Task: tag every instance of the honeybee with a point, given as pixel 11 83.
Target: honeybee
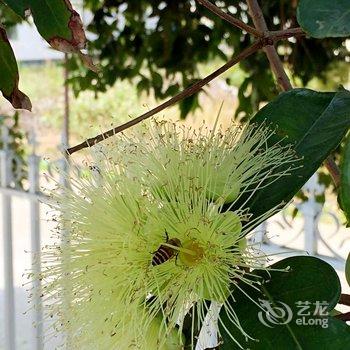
pixel 164 252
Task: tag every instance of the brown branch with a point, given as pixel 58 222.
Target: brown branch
pixel 225 16
pixel 258 44
pixel 185 93
pixel 334 171
pixel 343 317
pixel 270 51
pixel 279 72
pixel 281 34
pixel 344 299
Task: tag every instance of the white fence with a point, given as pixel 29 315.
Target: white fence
pixel 316 231
pixel 19 179
pixel 304 234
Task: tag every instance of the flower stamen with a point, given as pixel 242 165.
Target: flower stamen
pixel 195 257
pixel 180 249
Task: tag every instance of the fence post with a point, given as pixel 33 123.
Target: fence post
pixel 310 210
pixel 65 241
pixel 9 307
pixel 33 176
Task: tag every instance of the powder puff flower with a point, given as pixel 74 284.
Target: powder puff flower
pixel 156 226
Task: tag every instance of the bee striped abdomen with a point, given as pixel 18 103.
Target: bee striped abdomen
pixel 161 256
pixel 165 253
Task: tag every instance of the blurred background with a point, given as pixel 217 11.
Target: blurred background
pixel 147 52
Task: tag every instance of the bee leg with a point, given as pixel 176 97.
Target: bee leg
pixel 177 255
pixel 166 236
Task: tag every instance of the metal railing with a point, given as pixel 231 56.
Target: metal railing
pixel 10 172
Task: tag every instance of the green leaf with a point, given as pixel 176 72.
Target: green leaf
pixel 344 188
pixel 172 90
pixel 19 6
pixel 58 24
pixel 187 105
pixel 9 75
pixel 347 269
pixel 56 21
pixel 335 312
pixel 157 80
pixel 143 85
pixel 314 123
pixel 324 18
pixel 308 280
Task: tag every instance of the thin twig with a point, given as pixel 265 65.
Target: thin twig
pixel 271 53
pixel 343 317
pixel 277 35
pixel 279 72
pixel 225 16
pixel 333 170
pixel 296 31
pixel 344 299
pixel 258 44
pixel 185 93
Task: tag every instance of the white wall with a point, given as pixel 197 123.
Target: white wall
pixel 29 46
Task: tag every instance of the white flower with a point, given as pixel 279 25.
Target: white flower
pixel 150 233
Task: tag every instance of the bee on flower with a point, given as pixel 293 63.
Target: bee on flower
pixel 158 230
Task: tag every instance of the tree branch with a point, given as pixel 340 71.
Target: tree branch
pixel 185 93
pixel 270 51
pixel 271 38
pixel 344 317
pixel 225 16
pixel 344 299
pixel 281 33
pixel 258 44
pixel 280 74
pixel 334 171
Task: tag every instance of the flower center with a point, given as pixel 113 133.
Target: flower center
pixel 197 253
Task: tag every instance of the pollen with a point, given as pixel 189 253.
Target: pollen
pixel 196 255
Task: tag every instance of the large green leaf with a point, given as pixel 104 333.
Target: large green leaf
pixel 19 6
pixel 309 280
pixel 324 18
pixel 58 24
pixel 347 269
pixel 55 20
pixel 9 75
pixel 344 188
pixel 314 123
